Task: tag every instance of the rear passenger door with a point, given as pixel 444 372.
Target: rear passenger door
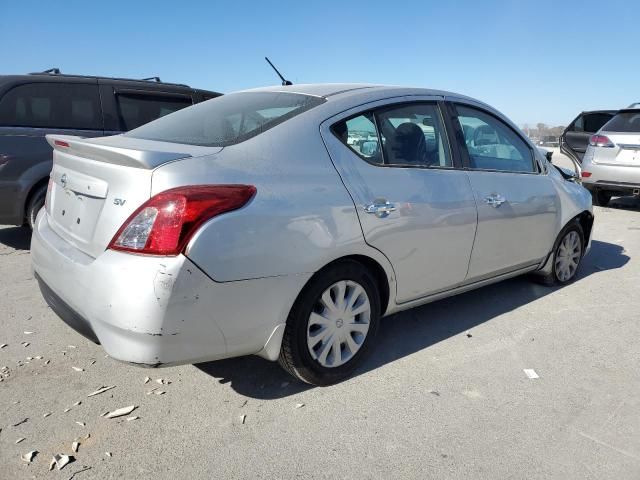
pixel 575 139
pixel 413 203
pixel 129 107
pixel 516 200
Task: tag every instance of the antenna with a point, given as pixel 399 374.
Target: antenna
pixel 284 82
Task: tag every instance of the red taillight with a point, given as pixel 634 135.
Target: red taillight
pixel 60 143
pixel 164 224
pixel 586 174
pixel 600 141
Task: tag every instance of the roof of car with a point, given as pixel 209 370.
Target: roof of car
pixel 63 77
pixel 331 89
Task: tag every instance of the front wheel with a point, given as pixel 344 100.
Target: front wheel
pixel 332 325
pixel 567 255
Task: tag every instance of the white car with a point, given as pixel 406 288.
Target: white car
pixel 611 164
pixel 256 223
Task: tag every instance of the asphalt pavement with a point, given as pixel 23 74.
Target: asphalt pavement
pixel 444 396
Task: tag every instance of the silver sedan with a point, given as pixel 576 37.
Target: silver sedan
pixel 286 221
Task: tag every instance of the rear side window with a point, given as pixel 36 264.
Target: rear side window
pixel 136 110
pixel 594 121
pixel 52 105
pixel 624 121
pixel 409 135
pixel 227 120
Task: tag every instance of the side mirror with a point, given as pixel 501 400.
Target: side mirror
pixel 549 154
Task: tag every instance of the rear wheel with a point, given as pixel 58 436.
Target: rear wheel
pixel 601 198
pixel 36 202
pixel 332 325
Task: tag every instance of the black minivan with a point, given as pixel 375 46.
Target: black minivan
pixel 34 105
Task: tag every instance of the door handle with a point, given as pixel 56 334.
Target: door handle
pixel 380 208
pixel 495 200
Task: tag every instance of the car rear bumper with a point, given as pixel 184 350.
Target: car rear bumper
pixel 156 311
pixel 612 177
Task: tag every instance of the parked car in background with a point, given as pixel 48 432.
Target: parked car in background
pixel 611 164
pixel 256 224
pixel 575 138
pixel 32 106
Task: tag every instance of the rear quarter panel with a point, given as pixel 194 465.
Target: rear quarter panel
pixel 300 219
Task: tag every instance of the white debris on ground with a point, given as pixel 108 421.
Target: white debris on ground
pixel 74 447
pixel 78 369
pixel 60 461
pixel 121 411
pixel 531 373
pixel 27 457
pixel 101 390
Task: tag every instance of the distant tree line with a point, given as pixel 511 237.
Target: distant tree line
pixel 542 130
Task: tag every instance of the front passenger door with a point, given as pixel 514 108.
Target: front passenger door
pixel 516 200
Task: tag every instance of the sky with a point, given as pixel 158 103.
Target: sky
pixel 536 61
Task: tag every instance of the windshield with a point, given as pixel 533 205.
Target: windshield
pixel 624 121
pixel 226 120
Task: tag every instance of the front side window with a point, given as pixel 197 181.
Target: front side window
pixel 136 110
pixel 492 145
pixel 228 119
pixel 52 105
pixel 410 135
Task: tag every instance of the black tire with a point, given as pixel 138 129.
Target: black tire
pixel 36 202
pixel 552 278
pixel 600 198
pixel 295 356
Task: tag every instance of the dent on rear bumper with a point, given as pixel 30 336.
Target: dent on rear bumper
pixel 161 310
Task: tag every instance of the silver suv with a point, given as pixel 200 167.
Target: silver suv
pixel 611 164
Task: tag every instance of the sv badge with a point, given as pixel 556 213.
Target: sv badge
pixel 119 201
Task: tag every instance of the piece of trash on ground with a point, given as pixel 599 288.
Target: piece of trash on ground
pixel 46 414
pixel 146 380
pixel 77 403
pixel 530 373
pixel 21 421
pixel 25 344
pixel 108 454
pixel 132 418
pixel 243 418
pixel 78 369
pixel 46 362
pixel 3 345
pixel 27 333
pixel 121 411
pixel 60 461
pixel 299 405
pixel 19 440
pixel 101 390
pixel 71 346
pixel 27 457
pixel 159 392
pixel 74 447
pixel 82 424
pixel 66 410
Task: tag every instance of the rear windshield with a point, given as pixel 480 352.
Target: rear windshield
pixel 624 121
pixel 226 120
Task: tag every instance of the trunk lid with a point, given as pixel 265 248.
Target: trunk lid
pixel 96 184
